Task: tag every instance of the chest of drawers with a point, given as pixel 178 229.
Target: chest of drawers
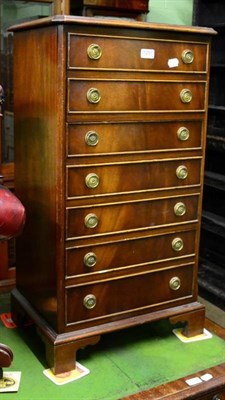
pixel 110 121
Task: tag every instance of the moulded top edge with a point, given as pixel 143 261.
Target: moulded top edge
pixel 111 22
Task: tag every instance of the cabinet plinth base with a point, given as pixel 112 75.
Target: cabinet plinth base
pixel 62 357
pixel 61 348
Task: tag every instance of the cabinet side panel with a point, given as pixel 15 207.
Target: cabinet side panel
pixel 38 177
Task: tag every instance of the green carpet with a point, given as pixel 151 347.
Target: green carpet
pixel 122 363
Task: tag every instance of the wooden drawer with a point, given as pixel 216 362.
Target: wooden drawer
pixel 217 395
pixel 131 177
pixel 114 218
pixel 127 95
pixel 88 259
pixel 134 54
pixel 116 297
pixel 111 138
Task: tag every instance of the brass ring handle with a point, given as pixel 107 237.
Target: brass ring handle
pixel 91 221
pixel 185 96
pixel 187 56
pixel 177 244
pixel 90 260
pixel 92 180
pixel 180 209
pixel 93 95
pixel 94 51
pixel 182 172
pixel 91 138
pixel 183 133
pixel 89 301
pixel 175 283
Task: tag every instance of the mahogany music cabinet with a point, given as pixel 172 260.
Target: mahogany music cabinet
pixel 110 122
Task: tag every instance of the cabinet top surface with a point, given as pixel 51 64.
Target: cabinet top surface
pixel 110 22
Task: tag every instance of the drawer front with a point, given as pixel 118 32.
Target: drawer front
pixel 112 96
pixel 114 218
pixel 116 297
pixel 215 395
pixel 131 177
pixel 93 52
pixel 107 138
pixel 129 253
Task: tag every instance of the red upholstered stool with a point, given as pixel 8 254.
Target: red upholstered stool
pixel 12 219
pixel 12 214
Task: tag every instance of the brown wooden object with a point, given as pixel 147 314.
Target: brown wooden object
pixel 117 8
pixel 7 249
pixel 61 6
pixel 214 389
pixel 110 139
pixel 129 9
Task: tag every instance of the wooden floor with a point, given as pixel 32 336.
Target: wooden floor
pixel 179 390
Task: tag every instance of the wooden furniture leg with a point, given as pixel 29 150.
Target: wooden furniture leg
pixel 60 349
pixel 194 322
pixel 62 357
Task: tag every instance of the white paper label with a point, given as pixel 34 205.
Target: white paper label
pixel 193 381
pixel 173 62
pixel 206 377
pixel 148 53
pixel 196 380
